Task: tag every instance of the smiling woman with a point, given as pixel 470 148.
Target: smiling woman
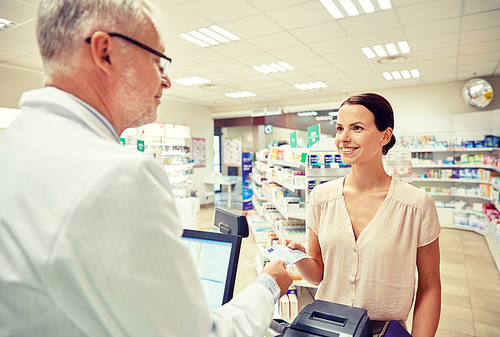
pixel 367 228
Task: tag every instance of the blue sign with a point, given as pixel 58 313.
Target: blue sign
pixel 246 172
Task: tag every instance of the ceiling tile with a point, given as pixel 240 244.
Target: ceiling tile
pixel 429 11
pixel 203 55
pixel 222 10
pixel 433 28
pixel 266 5
pixel 382 37
pixel 435 63
pixel 433 42
pixel 256 25
pixel 477 6
pixel 274 41
pixel 482 47
pixel 435 53
pixel 256 59
pixel 179 19
pixel 24 33
pixel 334 46
pixel 371 22
pixel 5 55
pixel 403 3
pixel 25 61
pixel 319 32
pixel 300 15
pixel 17 11
pixel 481 20
pixel 309 62
pixel 353 54
pixel 480 35
pixel 292 53
pixel 479 58
pixel 16 46
pixel 354 64
pixel 237 48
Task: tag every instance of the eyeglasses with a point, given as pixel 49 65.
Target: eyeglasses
pixel 164 60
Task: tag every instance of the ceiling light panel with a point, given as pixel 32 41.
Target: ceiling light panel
pixel 340 9
pixel 5 24
pixel 240 94
pixel 310 85
pixel 213 36
pixel 307 113
pixel 193 80
pixel 274 67
pixel 397 75
pixel 390 48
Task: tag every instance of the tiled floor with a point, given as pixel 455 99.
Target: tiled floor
pixel 470 281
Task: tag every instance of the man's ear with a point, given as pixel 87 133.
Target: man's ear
pixel 103 52
pixel 387 136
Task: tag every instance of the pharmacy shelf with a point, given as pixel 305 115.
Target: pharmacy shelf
pixel 295 164
pixel 286 185
pixel 286 215
pixel 477 166
pixel 460 196
pixel 455 149
pixel 453 180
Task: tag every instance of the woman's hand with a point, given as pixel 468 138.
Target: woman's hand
pixel 294 245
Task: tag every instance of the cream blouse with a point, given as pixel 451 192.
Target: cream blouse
pixel 376 272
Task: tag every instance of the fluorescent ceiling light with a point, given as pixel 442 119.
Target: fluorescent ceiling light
pixel 286 65
pixel 387 75
pixel 349 7
pixel 391 48
pixel 203 37
pixel 333 113
pixel 332 9
pixel 240 94
pixel 262 70
pixel 310 85
pixel 194 40
pixel 214 35
pixel 269 68
pixel 404 47
pixel 380 50
pixel 385 4
pixel 415 73
pixel 273 67
pixel 368 52
pixel 367 6
pixel 193 80
pixel 324 118
pixel 396 75
pixel 5 21
pixel 225 33
pixel 210 37
pixel 277 66
pixel 405 73
pixel 307 114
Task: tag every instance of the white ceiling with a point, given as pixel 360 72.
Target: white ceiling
pixel 450 40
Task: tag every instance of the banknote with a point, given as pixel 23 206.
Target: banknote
pixel 282 252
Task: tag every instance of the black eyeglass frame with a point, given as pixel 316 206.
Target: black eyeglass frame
pixel 143 46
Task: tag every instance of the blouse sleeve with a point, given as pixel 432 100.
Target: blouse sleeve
pixel 429 227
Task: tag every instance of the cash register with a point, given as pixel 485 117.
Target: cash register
pixel 326 319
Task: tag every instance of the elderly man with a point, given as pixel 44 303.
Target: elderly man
pixel 89 235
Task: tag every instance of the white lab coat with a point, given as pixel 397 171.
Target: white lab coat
pixel 90 237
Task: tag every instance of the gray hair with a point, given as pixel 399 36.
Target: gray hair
pixel 63 25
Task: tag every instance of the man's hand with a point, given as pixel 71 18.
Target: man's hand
pixel 282 276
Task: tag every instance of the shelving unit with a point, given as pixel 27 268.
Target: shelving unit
pixel 313 176
pixel 448 217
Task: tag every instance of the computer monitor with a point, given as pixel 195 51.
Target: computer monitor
pixel 231 222
pixel 215 257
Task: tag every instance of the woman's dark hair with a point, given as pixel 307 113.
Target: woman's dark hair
pixel 381 110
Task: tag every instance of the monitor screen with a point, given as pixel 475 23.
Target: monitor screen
pixel 215 257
